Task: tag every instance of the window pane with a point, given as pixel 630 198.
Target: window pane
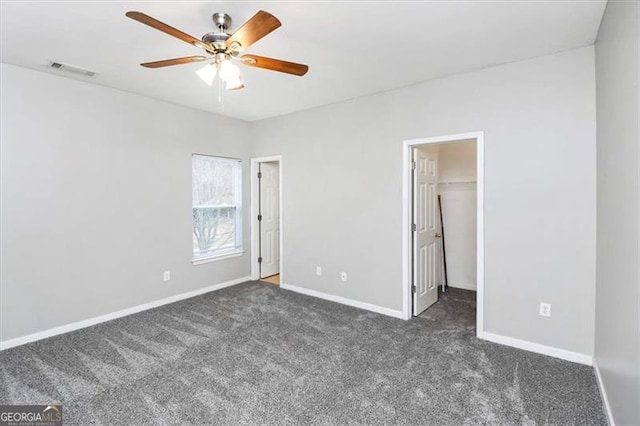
pixel 216 205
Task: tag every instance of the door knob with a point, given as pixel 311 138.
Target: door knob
pixel 437 235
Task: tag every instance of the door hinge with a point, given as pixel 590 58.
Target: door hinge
pixel 259 175
pixel 413 165
pixel 260 260
pixel 259 217
pixel 414 227
pixel 414 289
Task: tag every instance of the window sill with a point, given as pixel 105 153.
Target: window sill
pixel 216 258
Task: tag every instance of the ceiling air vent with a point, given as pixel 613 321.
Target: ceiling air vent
pixel 72 69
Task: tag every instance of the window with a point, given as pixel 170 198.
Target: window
pixel 217 202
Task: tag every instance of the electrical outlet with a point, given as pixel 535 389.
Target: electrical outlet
pixel 167 275
pixel 545 309
pixel 343 276
pixel 318 271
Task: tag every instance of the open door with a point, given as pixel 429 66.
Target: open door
pixel 269 218
pixel 425 263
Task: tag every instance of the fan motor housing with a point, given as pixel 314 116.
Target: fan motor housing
pixel 215 37
pixel 216 41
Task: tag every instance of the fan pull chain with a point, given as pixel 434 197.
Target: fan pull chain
pixel 220 95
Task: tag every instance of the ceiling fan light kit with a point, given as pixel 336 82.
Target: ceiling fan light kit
pixel 223 48
pixel 207 73
pixel 225 69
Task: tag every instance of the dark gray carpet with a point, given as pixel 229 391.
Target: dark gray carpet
pixel 255 354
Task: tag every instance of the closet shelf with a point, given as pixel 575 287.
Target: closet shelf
pixel 457 182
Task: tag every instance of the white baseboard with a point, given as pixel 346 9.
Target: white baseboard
pixel 464 286
pixel 344 301
pixel 113 315
pixel 603 394
pixel 538 348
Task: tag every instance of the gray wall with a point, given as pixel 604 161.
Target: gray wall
pixel 96 199
pixel 617 285
pixel 342 190
pixel 96 196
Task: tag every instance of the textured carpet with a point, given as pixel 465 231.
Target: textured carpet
pixel 256 354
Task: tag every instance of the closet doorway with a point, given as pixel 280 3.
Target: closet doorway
pixel 443 225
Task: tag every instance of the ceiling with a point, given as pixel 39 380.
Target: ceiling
pixel 353 48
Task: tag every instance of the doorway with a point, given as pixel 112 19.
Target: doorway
pixel 426 191
pixel 266 219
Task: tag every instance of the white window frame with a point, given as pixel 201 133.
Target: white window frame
pixel 230 252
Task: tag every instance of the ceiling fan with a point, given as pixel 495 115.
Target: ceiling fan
pixel 222 48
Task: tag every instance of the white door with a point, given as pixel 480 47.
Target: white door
pixel 270 223
pixel 425 262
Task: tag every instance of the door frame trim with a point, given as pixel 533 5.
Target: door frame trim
pixel 406 220
pixel 255 270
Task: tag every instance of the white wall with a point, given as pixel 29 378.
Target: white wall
pixel 617 327
pixel 458 194
pixel 343 190
pixel 96 199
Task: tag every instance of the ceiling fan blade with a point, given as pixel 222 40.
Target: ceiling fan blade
pixel 176 61
pixel 261 24
pixel 274 64
pixel 161 26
